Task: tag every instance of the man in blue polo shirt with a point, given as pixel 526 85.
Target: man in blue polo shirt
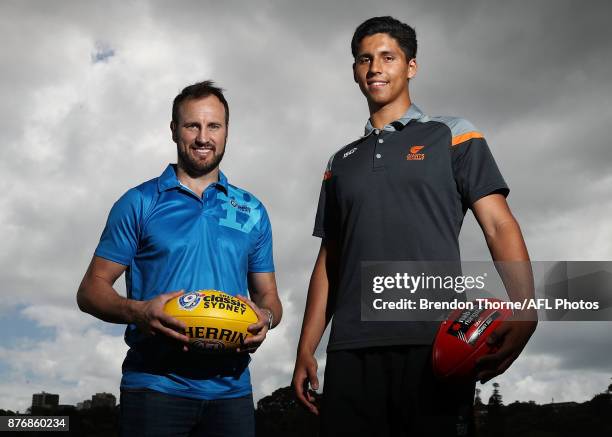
pixel 400 193
pixel 188 229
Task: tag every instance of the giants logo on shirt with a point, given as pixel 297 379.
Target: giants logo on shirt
pixel 414 154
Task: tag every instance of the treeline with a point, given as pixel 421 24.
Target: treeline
pixel 281 415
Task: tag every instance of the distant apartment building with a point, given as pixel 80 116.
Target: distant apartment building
pixel 85 405
pixel 45 400
pixel 107 400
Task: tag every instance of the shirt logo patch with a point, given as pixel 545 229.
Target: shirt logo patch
pixel 232 206
pixel 242 208
pixel 350 152
pixel 414 154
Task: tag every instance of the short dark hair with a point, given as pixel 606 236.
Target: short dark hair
pixel 198 91
pixel 401 32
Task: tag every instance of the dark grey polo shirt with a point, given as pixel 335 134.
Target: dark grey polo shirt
pixel 399 194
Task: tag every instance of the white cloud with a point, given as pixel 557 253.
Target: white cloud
pixel 76 364
pixel 541 378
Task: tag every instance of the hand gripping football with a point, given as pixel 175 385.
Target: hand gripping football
pixel 462 339
pixel 216 321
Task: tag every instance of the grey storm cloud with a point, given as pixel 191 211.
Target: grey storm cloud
pixel 87 89
pixel 579 345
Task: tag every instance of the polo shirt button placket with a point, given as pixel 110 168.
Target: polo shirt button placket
pixel 378 163
pixel 206 199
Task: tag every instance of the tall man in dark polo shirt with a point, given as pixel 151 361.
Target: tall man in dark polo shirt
pixel 400 192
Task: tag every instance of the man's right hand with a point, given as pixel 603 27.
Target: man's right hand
pixel 150 318
pixel 305 379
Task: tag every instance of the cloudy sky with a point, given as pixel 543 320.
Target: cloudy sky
pixel 86 96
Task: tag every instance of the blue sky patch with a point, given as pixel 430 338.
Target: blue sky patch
pixel 15 328
pixel 102 52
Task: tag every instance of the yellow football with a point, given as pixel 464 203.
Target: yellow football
pixel 216 321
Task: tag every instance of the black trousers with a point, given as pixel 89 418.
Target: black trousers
pixel 391 391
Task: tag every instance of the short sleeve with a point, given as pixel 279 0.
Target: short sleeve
pixel 327 221
pixel 475 170
pixel 261 257
pixel 119 240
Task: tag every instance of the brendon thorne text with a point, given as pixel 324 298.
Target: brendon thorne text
pixel 526 304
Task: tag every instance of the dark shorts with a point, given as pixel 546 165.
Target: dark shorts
pixel 391 391
pixel 150 413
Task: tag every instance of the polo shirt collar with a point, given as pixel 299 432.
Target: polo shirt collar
pixel 413 113
pixel 168 180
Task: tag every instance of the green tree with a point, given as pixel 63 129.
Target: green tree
pixel 496 397
pixel 477 399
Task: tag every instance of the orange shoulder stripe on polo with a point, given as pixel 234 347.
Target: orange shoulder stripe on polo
pixel 458 139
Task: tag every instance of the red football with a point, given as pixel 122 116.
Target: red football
pixel 462 339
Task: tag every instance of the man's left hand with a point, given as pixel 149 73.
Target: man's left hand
pixel 511 337
pixel 258 330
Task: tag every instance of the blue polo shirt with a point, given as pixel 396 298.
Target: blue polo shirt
pixel 171 239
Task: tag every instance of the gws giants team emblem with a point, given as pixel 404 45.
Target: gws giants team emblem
pixel 414 154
